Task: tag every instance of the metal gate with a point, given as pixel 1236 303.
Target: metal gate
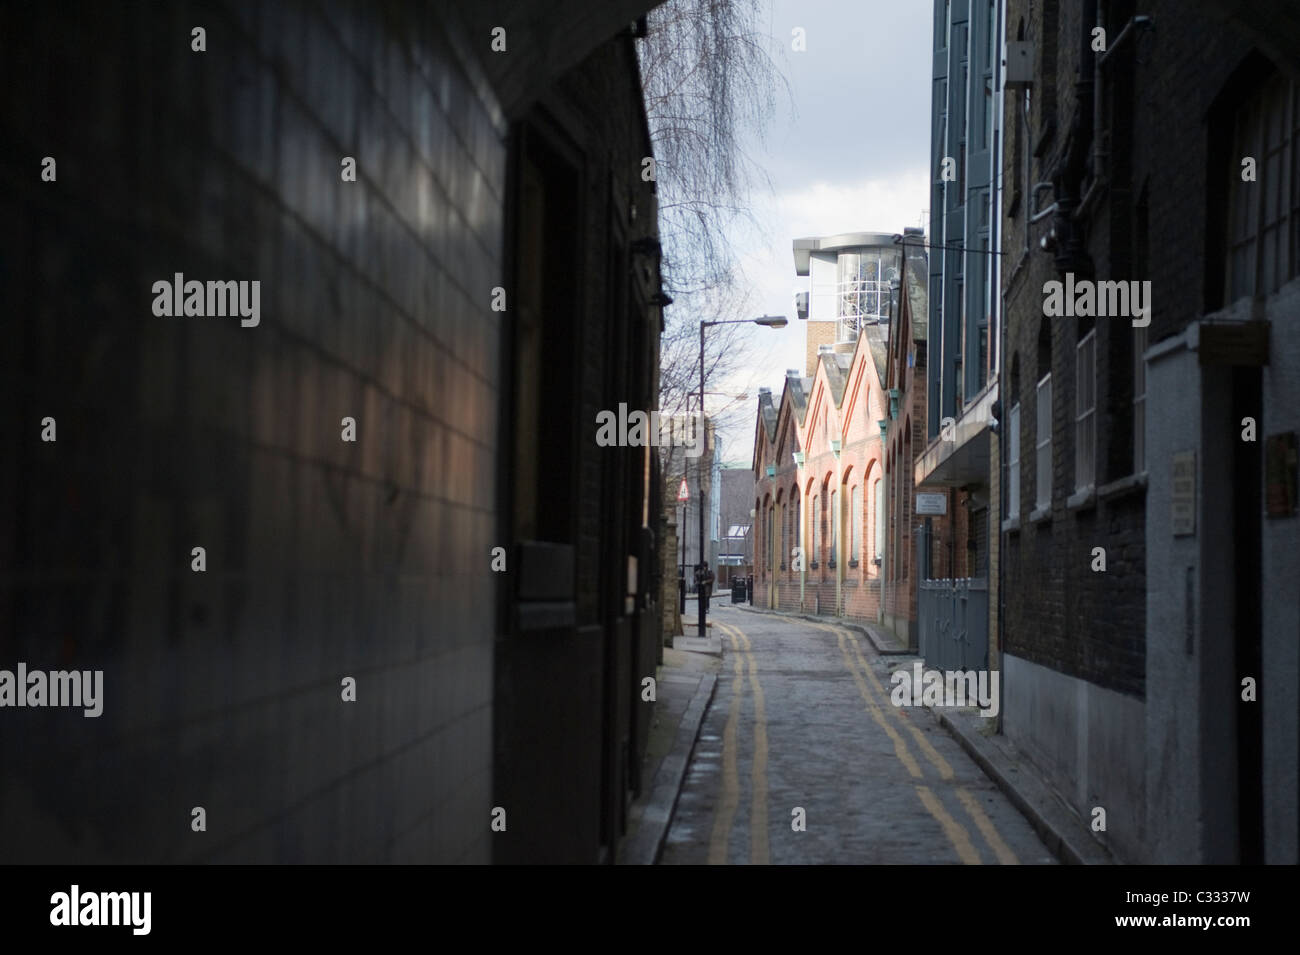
pixel 953 623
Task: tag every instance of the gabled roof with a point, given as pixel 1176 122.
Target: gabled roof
pixel 796 387
pixel 876 338
pixel 788 426
pixel 837 367
pixel 764 425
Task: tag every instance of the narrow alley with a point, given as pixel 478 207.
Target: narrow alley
pixel 802 720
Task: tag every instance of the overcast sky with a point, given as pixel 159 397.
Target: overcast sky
pixel 851 156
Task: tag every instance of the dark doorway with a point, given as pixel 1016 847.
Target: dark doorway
pixel 546 707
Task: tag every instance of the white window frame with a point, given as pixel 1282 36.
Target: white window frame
pixel 1259 220
pixel 1043 444
pixel 1085 412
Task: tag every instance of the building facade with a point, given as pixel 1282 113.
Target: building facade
pixel 1149 528
pixel 956 605
pixel 382 171
pixel 915 556
pixel 820 538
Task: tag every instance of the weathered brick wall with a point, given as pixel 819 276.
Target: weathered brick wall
pixel 1060 613
pixel 1089 624
pixel 325 559
pixel 570 724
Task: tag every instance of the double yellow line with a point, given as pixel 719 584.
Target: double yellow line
pixel 881 709
pixel 742 661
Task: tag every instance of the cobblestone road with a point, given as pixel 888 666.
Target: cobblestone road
pixel 801 730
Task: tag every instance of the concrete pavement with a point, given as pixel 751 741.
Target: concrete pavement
pixel 684 686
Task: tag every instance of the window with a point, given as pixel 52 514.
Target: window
pixel 862 290
pixel 855 518
pixel 796 541
pixel 1263 249
pixel 785 538
pixel 1013 463
pixel 1139 401
pixel 880 519
pixel 831 515
pixel 1085 412
pixel 896 522
pixel 1043 447
pixel 817 528
pixel 770 542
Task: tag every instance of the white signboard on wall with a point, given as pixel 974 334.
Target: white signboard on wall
pixel 931 503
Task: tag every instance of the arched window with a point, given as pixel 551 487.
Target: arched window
pixel 906 502
pixel 779 561
pixel 855 521
pixel 795 540
pixel 832 537
pixel 768 541
pixel 815 517
pixel 785 538
pixel 880 519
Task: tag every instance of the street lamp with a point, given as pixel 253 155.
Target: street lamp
pixel 767 321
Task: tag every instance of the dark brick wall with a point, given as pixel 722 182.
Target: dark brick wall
pixel 325 559
pixel 1160 87
pixel 571 724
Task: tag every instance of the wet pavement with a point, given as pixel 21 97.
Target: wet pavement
pixel 802 758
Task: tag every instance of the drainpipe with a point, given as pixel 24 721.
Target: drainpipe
pixel 1003 437
pixel 1101 152
pixel 1067 177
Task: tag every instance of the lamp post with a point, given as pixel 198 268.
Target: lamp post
pixel 768 321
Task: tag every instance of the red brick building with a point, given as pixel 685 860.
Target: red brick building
pixel 818 484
